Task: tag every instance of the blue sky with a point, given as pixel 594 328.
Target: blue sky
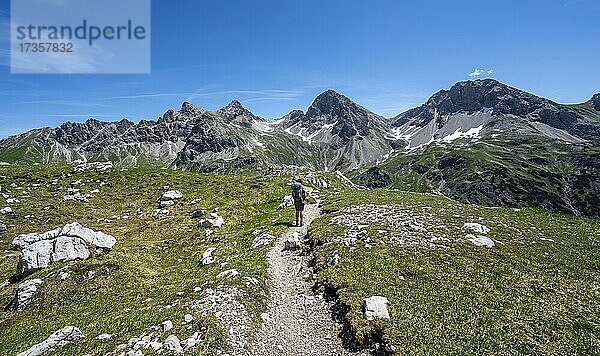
pixel 275 56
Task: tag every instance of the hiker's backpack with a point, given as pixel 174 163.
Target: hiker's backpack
pixel 297 192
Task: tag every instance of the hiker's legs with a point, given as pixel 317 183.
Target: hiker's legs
pixel 298 216
pixel 301 218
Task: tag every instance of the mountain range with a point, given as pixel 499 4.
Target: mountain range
pixel 480 142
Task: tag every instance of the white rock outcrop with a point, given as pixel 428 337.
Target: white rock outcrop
pixel 25 294
pixel 285 202
pixel 475 227
pixel 207 257
pixel 214 221
pixel 54 342
pixel 262 239
pixel 70 242
pixel 482 241
pixel 173 345
pixel 171 195
pixel 97 166
pixel 230 273
pixel 375 307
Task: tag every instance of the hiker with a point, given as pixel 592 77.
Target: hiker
pixel 299 196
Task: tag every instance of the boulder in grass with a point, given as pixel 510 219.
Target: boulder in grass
pixel 25 294
pixel 173 345
pixel 375 307
pixel 262 239
pixel 70 242
pixel 214 221
pixel 481 241
pixel 166 203
pixel 207 257
pixel 478 228
pixel 285 202
pixel 54 342
pixel 171 195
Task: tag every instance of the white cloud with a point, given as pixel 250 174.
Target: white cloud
pixel 481 72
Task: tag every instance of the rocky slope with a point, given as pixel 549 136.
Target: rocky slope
pixel 484 142
pixel 473 108
pixel 334 133
pixel 479 141
pixel 345 133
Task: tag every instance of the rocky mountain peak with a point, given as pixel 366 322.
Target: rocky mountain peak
pixel 492 96
pixel 332 103
pixel 234 109
pixel 190 110
pixel 596 101
pixel 236 113
pixel 169 115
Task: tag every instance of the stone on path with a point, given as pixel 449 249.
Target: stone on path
pixel 375 307
pixel 54 342
pixel 292 241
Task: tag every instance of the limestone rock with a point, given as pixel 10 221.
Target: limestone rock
pixel 478 228
pixel 173 345
pixel 25 294
pixel 285 202
pixel 207 257
pixel 54 342
pixel 230 273
pixel 166 203
pixel 70 242
pixel 482 241
pixel 97 166
pixel 292 241
pixel 214 221
pixel 167 325
pixel 376 307
pixel 171 195
pixel 187 318
pixel 6 210
pixel 198 213
pixel 262 239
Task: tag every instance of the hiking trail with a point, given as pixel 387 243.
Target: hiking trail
pixel 296 322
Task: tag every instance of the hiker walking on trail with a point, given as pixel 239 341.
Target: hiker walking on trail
pixel 299 196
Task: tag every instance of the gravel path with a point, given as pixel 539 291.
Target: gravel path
pixel 296 322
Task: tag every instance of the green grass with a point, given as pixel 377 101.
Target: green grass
pixel 586 109
pixel 525 296
pixel 153 258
